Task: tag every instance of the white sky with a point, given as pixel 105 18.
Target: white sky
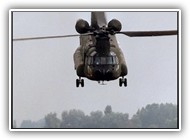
pixel 43 70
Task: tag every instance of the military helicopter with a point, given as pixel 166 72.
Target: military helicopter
pixel 99 57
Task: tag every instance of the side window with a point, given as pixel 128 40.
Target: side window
pixel 114 60
pixel 89 60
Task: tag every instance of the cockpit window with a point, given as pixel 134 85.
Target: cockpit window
pixel 96 60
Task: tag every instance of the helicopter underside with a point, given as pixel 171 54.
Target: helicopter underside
pixel 102 73
pixel 80 81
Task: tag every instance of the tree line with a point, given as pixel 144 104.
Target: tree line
pixel 151 116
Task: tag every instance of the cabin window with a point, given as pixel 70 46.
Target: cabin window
pixel 96 60
pixel 114 60
pixel 89 60
pixel 103 60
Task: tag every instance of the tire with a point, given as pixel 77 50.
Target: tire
pixel 125 82
pixel 77 82
pixel 120 82
pixel 82 82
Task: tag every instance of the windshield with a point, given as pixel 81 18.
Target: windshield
pixel 96 60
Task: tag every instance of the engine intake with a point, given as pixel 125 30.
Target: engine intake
pixel 82 26
pixel 115 25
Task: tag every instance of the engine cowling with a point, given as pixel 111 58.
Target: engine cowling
pixel 115 25
pixel 82 26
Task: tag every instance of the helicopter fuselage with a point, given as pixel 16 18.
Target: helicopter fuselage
pixel 99 58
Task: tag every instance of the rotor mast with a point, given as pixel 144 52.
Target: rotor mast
pixel 98 19
pixel 99 23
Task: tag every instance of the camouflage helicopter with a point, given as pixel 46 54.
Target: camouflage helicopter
pixel 99 57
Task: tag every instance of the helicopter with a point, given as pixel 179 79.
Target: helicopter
pixel 99 57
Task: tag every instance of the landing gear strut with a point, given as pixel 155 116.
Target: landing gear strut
pixel 122 81
pixel 79 82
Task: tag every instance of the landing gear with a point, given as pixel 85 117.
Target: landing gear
pixel 79 82
pixel 122 81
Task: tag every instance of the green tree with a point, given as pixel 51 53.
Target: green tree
pixel 95 120
pixel 51 121
pixel 135 122
pixel 108 110
pixel 73 119
pixel 156 116
pixel 151 116
pixel 26 124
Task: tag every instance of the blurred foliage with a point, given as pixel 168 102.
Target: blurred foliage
pixel 151 116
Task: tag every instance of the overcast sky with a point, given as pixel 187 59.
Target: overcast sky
pixel 44 75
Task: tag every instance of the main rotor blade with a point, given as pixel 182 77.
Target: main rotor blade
pixel 49 37
pixel 149 33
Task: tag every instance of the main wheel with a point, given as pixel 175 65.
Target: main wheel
pixel 82 83
pixel 125 82
pixel 77 83
pixel 120 82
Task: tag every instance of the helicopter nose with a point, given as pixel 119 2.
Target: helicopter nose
pixel 103 74
pixel 98 73
pixel 108 74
